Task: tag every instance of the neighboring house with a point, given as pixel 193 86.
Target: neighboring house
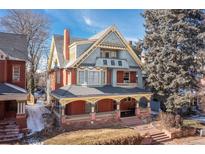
pixel 13 96
pixel 96 77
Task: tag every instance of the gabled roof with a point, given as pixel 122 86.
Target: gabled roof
pixel 100 37
pixel 14 45
pixel 58 41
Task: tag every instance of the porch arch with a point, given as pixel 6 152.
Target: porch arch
pixel 128 103
pixel 105 105
pixel 77 107
pixel 143 102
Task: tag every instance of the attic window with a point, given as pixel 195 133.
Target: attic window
pixel 2 56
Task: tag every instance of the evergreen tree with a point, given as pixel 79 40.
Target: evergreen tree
pixel 173 41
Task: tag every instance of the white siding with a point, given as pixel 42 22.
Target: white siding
pixel 82 48
pixel 126 55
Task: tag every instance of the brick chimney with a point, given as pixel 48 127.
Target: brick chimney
pixel 66 44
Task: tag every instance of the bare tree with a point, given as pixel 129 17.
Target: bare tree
pixel 36 27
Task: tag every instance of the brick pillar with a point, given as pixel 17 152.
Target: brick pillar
pixel 93 113
pixel 118 112
pixel 21 118
pixel 148 108
pixel 137 109
pixel 62 116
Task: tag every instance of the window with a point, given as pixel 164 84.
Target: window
pixel 94 78
pixel 91 77
pixel 113 54
pixel 103 77
pixel 104 62
pixel 126 77
pixel 120 63
pixel 58 77
pixel 81 77
pixel 16 73
pixel 107 54
pixel 112 62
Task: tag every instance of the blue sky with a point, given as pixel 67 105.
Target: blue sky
pixel 85 23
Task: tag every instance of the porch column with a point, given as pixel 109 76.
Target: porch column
pixel 93 113
pixel 62 110
pixel 118 111
pixel 137 109
pixel 21 115
pixel 21 108
pixel 148 107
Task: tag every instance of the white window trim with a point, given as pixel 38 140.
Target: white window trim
pixel 94 70
pixel 58 77
pixel 17 75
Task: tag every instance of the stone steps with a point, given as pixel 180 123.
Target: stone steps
pixel 159 138
pixel 9 132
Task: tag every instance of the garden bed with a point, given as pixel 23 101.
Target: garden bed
pixel 99 137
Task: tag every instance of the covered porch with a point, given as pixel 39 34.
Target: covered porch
pixel 93 107
pixel 12 104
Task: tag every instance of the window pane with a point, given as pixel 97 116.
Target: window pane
pixel 120 63
pixel 81 77
pixel 104 62
pixel 112 62
pixel 16 73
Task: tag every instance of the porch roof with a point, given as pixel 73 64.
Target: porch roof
pixel 11 92
pixel 75 91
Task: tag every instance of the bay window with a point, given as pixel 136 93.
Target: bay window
pixel 91 77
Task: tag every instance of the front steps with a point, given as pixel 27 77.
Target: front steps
pixel 159 137
pixel 9 132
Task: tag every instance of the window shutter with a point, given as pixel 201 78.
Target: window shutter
pixel 119 76
pixel 133 77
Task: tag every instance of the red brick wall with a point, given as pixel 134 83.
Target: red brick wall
pixel 105 105
pixel 74 108
pixel 53 79
pixel 133 77
pixel 120 76
pixel 73 76
pixel 3 68
pixel 2 109
pixel 22 64
pixel 109 76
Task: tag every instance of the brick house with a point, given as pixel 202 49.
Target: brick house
pixel 95 78
pixel 13 96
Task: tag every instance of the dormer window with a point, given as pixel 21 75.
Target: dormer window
pixel 16 73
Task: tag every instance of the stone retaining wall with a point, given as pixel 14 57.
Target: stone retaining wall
pixel 178 133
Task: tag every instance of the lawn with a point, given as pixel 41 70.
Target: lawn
pixel 90 137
